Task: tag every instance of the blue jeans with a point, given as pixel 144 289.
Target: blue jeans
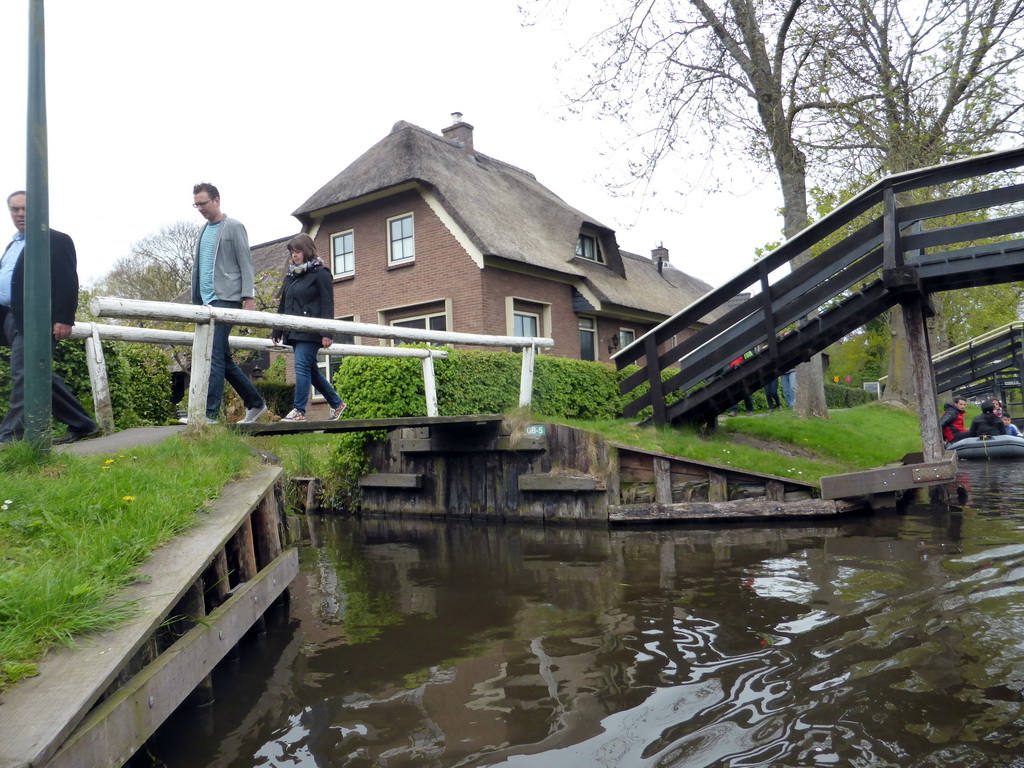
pixel 788 380
pixel 308 374
pixel 223 367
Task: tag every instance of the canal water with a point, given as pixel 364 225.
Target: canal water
pixel 895 639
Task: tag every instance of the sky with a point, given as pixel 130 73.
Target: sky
pixel 270 101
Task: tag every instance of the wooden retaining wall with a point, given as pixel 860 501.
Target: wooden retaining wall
pixel 554 473
pixel 95 705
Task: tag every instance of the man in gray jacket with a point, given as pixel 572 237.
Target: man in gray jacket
pixel 222 276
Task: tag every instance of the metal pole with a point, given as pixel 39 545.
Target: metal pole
pixel 38 329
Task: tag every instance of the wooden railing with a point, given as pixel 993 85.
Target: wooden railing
pixel 205 317
pixel 902 249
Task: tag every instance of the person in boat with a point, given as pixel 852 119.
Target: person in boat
pixel 987 423
pixel 952 421
pixel 1009 426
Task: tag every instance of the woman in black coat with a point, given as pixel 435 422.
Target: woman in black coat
pixel 986 422
pixel 308 291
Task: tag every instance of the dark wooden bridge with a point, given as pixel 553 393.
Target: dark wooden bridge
pixel 903 238
pixel 987 366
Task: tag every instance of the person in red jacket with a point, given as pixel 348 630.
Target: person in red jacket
pixel 952 421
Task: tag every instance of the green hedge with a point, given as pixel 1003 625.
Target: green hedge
pixel 839 396
pixel 473 381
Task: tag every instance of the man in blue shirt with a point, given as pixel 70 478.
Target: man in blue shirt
pixel 222 276
pixel 63 305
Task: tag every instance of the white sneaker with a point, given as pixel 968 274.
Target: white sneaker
pixel 206 420
pixel 251 414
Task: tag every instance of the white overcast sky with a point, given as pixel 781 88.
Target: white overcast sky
pixel 270 100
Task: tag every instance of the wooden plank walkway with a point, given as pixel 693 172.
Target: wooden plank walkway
pixel 39 714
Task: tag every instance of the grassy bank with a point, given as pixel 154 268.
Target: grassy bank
pixel 782 444
pixel 74 528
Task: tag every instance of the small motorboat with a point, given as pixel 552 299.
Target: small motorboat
pixel 989 447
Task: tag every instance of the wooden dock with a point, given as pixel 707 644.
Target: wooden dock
pixel 96 704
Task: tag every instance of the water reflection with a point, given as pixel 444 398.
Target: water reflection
pixel 894 640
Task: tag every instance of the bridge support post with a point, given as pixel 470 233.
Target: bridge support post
pixel 924 377
pixel 202 351
pixel 97 365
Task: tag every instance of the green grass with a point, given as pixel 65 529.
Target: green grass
pixel 74 528
pixel 858 438
pixel 302 455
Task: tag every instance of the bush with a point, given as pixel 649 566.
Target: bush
pixel 839 396
pixel 475 381
pixel 278 396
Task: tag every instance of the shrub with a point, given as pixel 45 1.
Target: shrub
pixel 278 396
pixel 475 381
pixel 839 396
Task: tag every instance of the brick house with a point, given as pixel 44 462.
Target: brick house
pixel 424 231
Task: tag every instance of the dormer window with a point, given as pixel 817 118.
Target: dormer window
pixel 588 248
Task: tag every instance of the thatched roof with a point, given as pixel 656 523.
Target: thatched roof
pixel 506 214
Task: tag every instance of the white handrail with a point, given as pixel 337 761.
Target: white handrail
pixel 204 317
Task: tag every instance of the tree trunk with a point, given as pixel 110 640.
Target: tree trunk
pixel 899 385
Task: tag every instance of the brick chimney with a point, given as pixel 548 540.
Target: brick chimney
pixel 460 133
pixel 660 256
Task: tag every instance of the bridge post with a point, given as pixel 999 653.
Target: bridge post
pixel 924 378
pixel 526 377
pixel 97 365
pixel 199 386
pixel 429 384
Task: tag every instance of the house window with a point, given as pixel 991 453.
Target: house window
pixel 400 240
pixel 587 248
pixel 343 248
pixel 525 324
pixel 588 338
pixel 626 337
pixel 432 322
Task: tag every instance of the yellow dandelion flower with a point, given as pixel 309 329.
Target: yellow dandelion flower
pixel 109 461
pixel 127 498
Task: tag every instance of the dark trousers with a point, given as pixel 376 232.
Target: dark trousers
pixel 66 407
pixel 224 368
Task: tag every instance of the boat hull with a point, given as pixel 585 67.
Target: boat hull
pixel 994 447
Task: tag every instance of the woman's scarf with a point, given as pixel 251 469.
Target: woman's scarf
pixel 295 270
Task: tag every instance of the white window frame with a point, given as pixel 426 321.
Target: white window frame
pixel 387 315
pixel 519 315
pixel 541 310
pixel 350 256
pixel 626 337
pixel 411 239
